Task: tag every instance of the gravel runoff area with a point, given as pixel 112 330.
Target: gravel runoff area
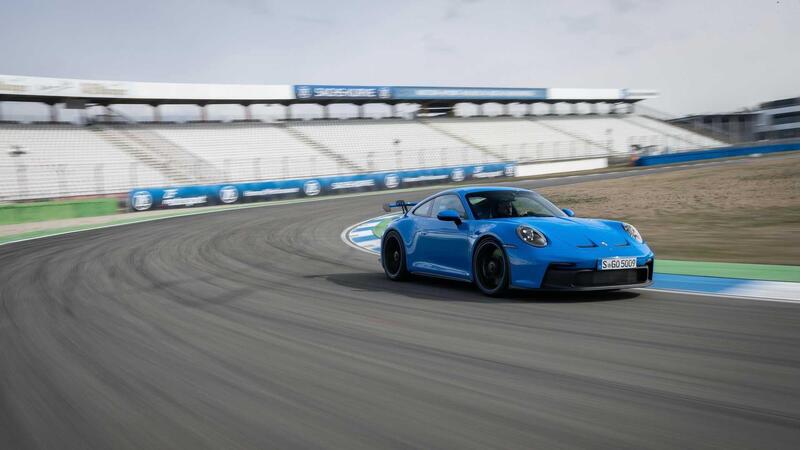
pixel 746 213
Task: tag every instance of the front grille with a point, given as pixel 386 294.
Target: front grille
pixel 610 277
pixel 556 278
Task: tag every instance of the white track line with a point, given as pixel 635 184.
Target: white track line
pixel 721 295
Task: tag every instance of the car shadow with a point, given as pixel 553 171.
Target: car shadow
pixel 429 288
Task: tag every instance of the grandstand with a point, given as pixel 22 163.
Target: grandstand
pixel 110 153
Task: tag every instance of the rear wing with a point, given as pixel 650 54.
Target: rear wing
pixel 398 204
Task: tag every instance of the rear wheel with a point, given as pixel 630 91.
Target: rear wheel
pixel 393 257
pixel 490 267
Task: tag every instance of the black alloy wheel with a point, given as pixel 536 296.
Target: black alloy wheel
pixel 393 257
pixel 490 267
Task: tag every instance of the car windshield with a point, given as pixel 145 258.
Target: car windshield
pixel 501 204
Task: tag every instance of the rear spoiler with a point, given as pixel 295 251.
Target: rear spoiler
pixel 398 204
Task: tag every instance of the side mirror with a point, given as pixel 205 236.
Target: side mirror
pixel 449 215
pixel 569 212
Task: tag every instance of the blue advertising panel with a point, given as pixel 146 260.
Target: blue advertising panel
pixel 143 199
pixel 150 198
pixel 726 152
pixel 467 93
pixel 333 92
pixel 326 92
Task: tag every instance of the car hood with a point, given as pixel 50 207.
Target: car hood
pixel 578 232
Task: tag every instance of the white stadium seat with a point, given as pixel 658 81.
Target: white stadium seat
pixel 63 160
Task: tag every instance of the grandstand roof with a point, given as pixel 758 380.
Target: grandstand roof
pixel 57 90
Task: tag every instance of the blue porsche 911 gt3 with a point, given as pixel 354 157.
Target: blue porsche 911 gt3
pixel 501 238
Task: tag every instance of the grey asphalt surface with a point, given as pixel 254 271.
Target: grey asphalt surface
pixel 260 328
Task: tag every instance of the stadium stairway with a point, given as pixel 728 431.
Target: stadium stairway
pixel 177 164
pixel 343 161
pixel 580 137
pixel 462 139
pixel 642 122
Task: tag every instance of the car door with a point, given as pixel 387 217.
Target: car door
pixel 446 244
pixel 416 257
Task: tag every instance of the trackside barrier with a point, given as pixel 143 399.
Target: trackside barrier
pixel 143 199
pixel 726 152
pixel 544 168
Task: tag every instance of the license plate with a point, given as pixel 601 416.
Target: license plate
pixel 617 263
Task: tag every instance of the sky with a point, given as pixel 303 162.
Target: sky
pixel 702 56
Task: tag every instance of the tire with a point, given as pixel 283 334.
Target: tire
pixel 490 268
pixel 393 257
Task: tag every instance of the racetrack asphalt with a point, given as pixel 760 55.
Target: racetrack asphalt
pixel 260 328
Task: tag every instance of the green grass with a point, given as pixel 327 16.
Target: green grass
pixel 41 211
pixel 767 272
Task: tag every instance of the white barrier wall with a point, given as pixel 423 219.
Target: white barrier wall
pixel 528 170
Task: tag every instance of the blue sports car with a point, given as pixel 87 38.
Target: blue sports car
pixel 501 238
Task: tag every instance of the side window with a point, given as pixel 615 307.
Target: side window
pixel 480 206
pixel 448 202
pixel 423 210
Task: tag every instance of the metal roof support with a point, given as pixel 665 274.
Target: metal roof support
pixel 53 112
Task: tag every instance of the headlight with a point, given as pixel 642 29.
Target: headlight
pixel 633 232
pixel 531 236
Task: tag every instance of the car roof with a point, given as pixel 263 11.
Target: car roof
pixel 472 189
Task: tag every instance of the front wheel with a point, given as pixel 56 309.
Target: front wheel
pixel 393 257
pixel 490 267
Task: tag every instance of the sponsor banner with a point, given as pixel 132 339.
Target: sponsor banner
pixel 143 199
pixel 342 92
pixel 326 92
pixel 467 93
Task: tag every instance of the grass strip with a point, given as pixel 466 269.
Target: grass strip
pixel 41 211
pixel 765 272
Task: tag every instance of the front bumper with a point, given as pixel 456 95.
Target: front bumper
pixel 577 269
pixel 559 278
